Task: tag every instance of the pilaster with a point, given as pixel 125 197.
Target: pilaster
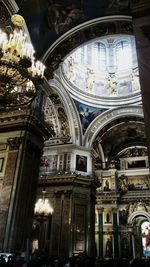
pixel 140 11
pixel 24 134
pixel 73 220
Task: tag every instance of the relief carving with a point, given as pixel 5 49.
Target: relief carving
pixel 14 142
pixel 64 126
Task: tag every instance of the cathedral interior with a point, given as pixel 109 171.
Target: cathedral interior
pixel 75 145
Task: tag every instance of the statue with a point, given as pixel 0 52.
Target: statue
pixel 89 80
pixel 135 81
pixel 108 249
pixel 123 217
pixel 71 64
pixel 123 183
pixel 112 84
pixel 106 187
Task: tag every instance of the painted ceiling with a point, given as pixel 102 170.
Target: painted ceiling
pixel 121 134
pixel 48 20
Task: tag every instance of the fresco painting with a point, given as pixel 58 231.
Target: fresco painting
pixel 81 163
pixel 87 114
pixel 145 228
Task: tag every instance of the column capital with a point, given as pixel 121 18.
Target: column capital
pixel 100 210
pixel 14 142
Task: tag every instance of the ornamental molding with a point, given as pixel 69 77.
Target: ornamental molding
pixel 81 34
pixel 136 214
pixel 71 111
pixel 14 142
pixel 25 120
pixel 10 5
pixel 96 100
pixel 108 116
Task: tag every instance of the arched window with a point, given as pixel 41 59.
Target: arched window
pixel 99 56
pixel 123 55
pixel 104 67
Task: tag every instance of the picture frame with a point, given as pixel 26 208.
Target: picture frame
pixel 81 163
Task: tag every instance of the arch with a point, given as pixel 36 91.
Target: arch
pixel 84 26
pixel 106 118
pixel 70 108
pixel 11 6
pixel 138 213
pixel 87 31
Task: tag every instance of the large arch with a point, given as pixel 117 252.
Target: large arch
pixel 71 111
pixel 137 214
pixel 106 118
pixel 82 33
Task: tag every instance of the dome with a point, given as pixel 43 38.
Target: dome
pixel 105 68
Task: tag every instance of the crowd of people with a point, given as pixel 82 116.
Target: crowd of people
pixel 81 260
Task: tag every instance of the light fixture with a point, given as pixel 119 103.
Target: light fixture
pixel 20 73
pixel 42 206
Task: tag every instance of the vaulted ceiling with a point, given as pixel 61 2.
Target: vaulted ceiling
pixel 57 27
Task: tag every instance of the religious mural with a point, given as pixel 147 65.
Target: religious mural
pixel 81 163
pixel 100 68
pixel 122 135
pixel 52 18
pixel 87 114
pixel 145 228
pixel 62 15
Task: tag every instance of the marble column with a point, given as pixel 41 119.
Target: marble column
pixel 100 223
pixel 140 11
pixel 116 233
pixel 23 135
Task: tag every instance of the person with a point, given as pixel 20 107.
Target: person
pixel 2 261
pixel 85 116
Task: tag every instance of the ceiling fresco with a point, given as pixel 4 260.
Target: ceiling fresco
pixel 49 19
pixel 120 134
pixel 99 70
pixel 87 114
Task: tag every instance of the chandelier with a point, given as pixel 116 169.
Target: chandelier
pixel 20 73
pixel 42 206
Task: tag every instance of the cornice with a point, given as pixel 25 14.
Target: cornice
pixel 69 179
pixel 112 198
pixel 25 120
pixel 107 117
pixel 81 34
pixel 140 8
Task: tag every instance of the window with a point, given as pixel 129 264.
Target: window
pixel 99 56
pixel 123 55
pixel 111 57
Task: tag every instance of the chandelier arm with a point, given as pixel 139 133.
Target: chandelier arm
pixel 20 73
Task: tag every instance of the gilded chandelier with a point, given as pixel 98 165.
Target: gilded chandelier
pixel 42 206
pixel 20 73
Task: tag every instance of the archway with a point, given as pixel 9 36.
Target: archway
pixel 141 231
